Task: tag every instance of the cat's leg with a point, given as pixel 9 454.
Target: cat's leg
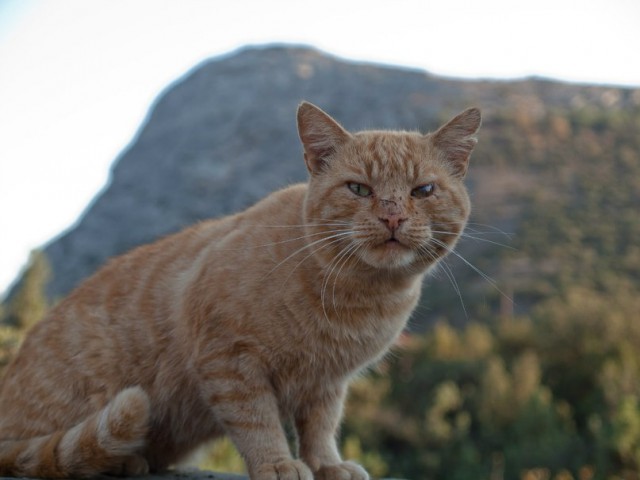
pixel 131 466
pixel 317 421
pixel 244 403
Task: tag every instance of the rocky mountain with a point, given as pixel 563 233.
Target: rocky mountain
pixel 224 136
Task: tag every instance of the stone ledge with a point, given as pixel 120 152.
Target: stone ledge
pixel 181 475
pixel 173 475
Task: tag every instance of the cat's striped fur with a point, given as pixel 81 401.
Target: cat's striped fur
pixel 237 325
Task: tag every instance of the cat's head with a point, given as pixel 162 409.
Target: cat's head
pixel 388 199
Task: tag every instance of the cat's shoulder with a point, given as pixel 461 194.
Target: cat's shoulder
pixel 296 191
pixel 287 198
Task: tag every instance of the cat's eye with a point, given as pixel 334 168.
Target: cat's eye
pixel 360 189
pixel 424 191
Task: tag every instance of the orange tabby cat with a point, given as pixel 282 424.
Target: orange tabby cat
pixel 238 325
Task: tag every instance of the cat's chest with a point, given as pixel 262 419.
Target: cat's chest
pixel 330 358
pixel 341 340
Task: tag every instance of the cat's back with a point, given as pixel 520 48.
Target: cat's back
pixel 132 310
pixel 140 290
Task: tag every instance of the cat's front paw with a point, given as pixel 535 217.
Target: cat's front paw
pixel 342 471
pixel 285 470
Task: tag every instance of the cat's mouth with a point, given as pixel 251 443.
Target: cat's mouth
pixel 393 242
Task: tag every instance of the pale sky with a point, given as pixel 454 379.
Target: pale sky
pixel 78 76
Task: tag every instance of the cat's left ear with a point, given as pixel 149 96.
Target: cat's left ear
pixel 457 138
pixel 320 134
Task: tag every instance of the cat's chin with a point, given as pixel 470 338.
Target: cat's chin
pixel 391 254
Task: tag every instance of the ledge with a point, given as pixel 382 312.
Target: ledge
pixel 173 475
pixel 181 475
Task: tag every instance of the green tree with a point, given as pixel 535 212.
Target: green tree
pixel 29 305
pixel 626 432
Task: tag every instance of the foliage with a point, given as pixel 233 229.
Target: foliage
pixel 569 407
pixel 10 338
pixel 30 304
pixel 27 307
pixel 222 456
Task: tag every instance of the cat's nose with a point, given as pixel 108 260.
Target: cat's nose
pixel 392 221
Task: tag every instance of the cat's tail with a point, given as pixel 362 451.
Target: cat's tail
pixel 106 442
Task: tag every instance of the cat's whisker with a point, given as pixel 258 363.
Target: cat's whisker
pixel 486 240
pixel 305 247
pixel 468 227
pixel 454 283
pixel 302 237
pixel 332 265
pixel 493 228
pixel 304 225
pixel 318 224
pixel 333 220
pixel 464 235
pixel 308 245
pixel 443 266
pixel 486 277
pixel 332 242
pixel 280 242
pixel 335 279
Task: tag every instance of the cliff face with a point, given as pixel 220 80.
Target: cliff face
pixel 224 136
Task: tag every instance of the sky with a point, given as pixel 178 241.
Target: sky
pixel 77 77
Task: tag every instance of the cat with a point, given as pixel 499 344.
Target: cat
pixel 238 325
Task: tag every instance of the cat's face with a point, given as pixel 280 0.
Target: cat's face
pixel 389 199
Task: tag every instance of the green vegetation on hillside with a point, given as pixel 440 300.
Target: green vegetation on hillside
pixel 27 307
pixel 557 394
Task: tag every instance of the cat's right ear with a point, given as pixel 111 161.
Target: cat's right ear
pixel 320 135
